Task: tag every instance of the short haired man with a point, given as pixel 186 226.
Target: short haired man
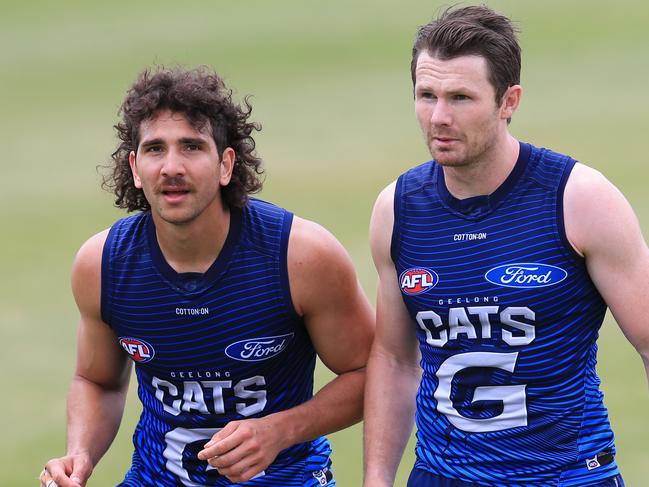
pixel 221 301
pixel 491 260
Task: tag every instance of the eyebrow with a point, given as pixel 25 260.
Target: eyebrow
pixel 151 142
pixel 183 140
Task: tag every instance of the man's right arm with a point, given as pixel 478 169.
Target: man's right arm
pixel 393 371
pixel 100 382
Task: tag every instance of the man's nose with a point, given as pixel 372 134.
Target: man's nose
pixel 173 164
pixel 441 114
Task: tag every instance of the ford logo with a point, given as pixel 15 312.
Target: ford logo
pixel 525 275
pixel 258 349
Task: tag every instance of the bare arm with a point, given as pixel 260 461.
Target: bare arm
pixel 340 322
pixel 393 369
pixel 99 384
pixel 601 225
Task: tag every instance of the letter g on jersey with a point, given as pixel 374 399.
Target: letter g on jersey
pixel 417 280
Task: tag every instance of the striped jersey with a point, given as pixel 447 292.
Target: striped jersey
pixel 507 320
pixel 210 348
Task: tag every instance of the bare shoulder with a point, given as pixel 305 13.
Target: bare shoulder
pixel 594 208
pixel 310 243
pixel 381 224
pixel 318 264
pixel 86 272
pixel 384 205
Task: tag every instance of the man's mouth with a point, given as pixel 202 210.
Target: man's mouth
pixel 174 195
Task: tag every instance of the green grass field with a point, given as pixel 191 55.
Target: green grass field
pixel 331 86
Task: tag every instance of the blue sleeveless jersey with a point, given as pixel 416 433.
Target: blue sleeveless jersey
pixel 507 319
pixel 210 348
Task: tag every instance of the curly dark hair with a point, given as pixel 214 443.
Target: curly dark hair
pixel 201 95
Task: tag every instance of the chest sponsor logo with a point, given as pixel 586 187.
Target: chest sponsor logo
pixel 139 350
pixel 258 349
pixel 526 275
pixel 417 280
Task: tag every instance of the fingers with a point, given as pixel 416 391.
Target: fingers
pixel 222 442
pixel 70 471
pixel 81 471
pixel 237 451
pixel 46 479
pixel 244 450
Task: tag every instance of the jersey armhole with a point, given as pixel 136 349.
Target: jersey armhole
pixel 287 223
pixel 106 298
pixel 561 222
pixel 396 208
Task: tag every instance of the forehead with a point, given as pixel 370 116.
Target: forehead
pixel 169 124
pixel 469 71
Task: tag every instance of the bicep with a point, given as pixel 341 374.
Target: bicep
pixel 395 333
pixel 99 358
pixel 325 289
pixel 396 339
pixel 603 227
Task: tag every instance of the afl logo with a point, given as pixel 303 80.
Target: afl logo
pixel 258 349
pixel 417 280
pixel 525 275
pixel 139 350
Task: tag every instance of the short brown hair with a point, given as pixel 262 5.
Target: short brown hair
pixel 201 95
pixel 474 30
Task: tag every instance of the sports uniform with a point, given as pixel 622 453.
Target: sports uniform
pixel 210 348
pixel 507 319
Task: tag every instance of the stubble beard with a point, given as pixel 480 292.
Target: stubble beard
pixel 466 155
pixel 184 216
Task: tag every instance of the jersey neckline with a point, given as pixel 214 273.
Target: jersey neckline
pixel 193 282
pixel 477 207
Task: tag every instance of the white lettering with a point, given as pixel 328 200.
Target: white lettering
pixel 172 390
pixel 529 332
pixel 521 275
pixel 195 396
pixel 514 413
pixel 241 392
pixel 460 323
pixel 258 350
pixel 192 311
pixel 483 313
pixel 437 322
pixel 217 387
pixel 463 237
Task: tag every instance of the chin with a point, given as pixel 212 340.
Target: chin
pixel 450 160
pixel 176 217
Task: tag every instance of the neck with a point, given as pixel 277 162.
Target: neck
pixel 484 176
pixel 193 246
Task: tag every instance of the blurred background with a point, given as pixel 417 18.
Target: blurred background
pixel 331 86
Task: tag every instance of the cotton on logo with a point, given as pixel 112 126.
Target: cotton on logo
pixel 417 280
pixel 139 350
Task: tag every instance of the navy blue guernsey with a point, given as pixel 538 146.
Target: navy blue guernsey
pixel 210 348
pixel 507 319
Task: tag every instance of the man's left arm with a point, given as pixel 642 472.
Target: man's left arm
pixel 340 322
pixel 602 226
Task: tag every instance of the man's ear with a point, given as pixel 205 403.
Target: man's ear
pixel 228 158
pixel 136 177
pixel 510 101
